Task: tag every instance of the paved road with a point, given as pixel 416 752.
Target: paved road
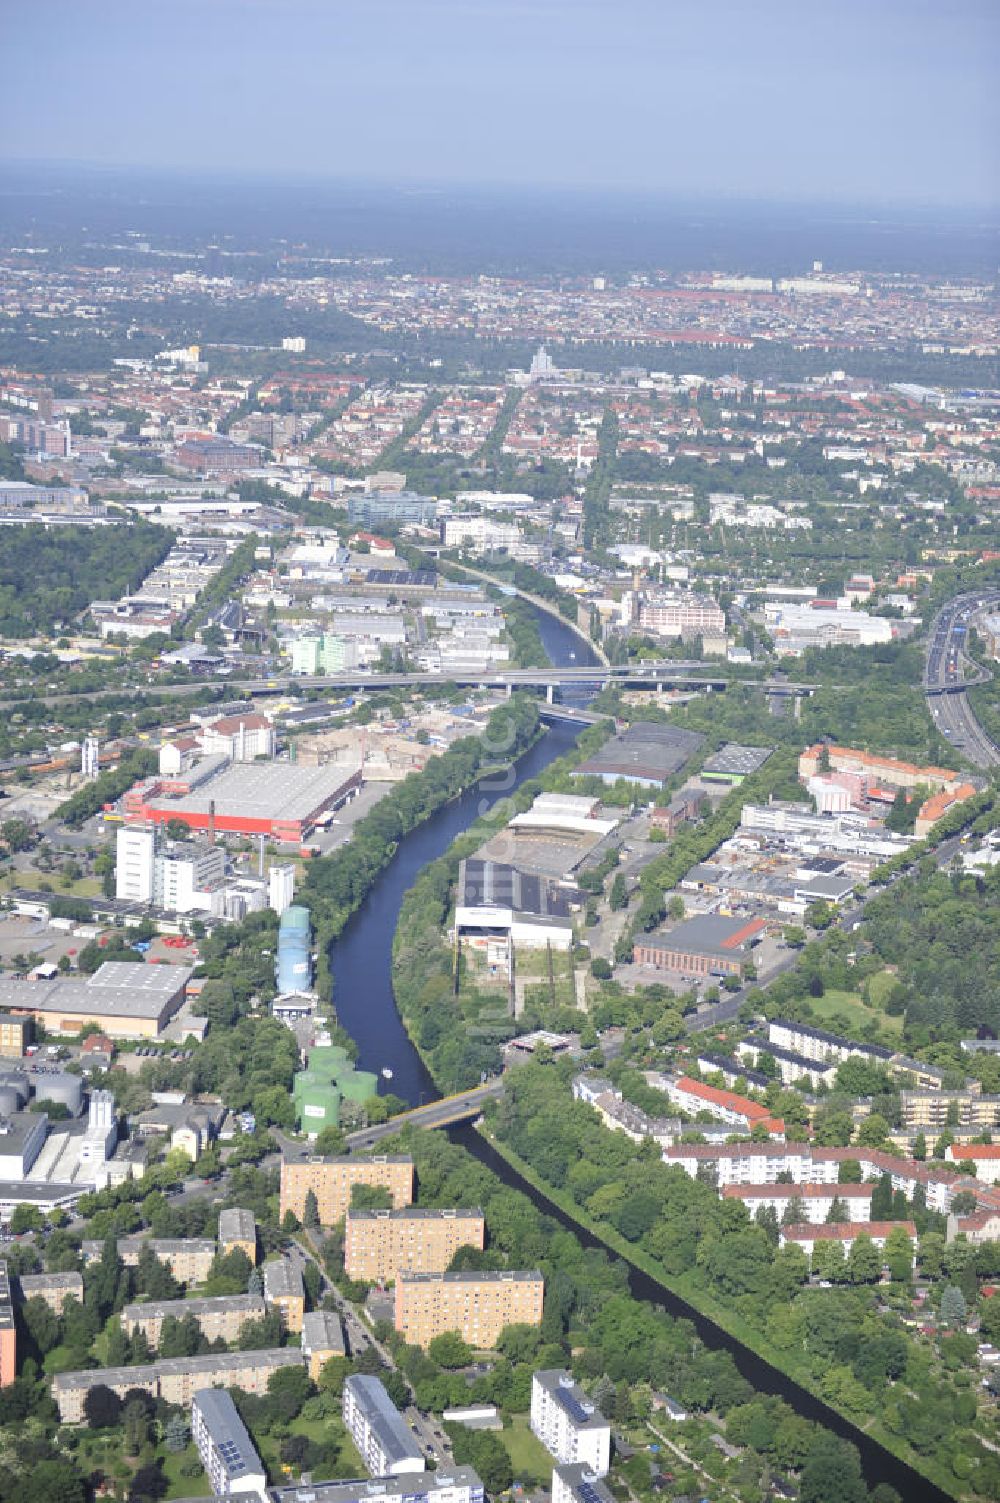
pixel 949 672
pixel 727 1008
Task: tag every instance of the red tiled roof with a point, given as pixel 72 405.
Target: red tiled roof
pixel 846 1231
pixel 782 1192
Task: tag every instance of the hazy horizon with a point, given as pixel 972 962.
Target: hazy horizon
pixel 839 103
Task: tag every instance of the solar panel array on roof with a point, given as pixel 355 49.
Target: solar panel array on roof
pixel 414 577
pixel 577 1412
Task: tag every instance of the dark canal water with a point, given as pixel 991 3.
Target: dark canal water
pixel 361 963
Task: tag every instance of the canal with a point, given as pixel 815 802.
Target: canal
pixel 361 964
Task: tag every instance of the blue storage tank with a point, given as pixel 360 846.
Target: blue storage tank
pixel 294 967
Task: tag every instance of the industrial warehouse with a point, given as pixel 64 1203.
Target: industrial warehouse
pixel 278 799
pixel 125 1000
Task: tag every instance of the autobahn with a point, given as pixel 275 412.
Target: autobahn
pixel 947 678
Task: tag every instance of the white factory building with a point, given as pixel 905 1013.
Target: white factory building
pixel 175 876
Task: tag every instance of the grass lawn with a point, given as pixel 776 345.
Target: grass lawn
pixel 850 1006
pixel 183 1487
pixel 529 1458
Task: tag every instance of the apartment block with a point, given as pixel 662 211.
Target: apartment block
pixel 226 1450
pixel 844 1233
pixel 929 1110
pixel 817 1044
pixel 383 1438
pixel 476 1305
pixel 238 1229
pixel 322 1338
pixel 188 1258
pixel 377 1244
pixel 984 1157
pixel 54 1288
pixel 576 1483
pixel 332 1180
pixel 815 1200
pixel 285 1291
pixel 220 1317
pixel 176 1379
pixel 8 1332
pixel 758 1164
pixel 568 1423
pixel 458 1484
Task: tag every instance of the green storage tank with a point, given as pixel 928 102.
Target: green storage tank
pixel 358 1085
pixel 317 1102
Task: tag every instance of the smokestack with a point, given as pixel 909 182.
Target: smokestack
pixel 211 821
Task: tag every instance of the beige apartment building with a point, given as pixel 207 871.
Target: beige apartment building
pixel 222 1315
pixel 332 1179
pixel 477 1305
pixel 54 1288
pixel 285 1291
pixel 188 1258
pixel 238 1229
pixel 377 1244
pixel 176 1379
pixel 930 1110
pixel 322 1338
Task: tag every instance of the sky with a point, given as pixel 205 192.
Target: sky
pixel 867 101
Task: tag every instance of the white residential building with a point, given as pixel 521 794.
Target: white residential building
pixel 568 1423
pixel 576 1483
pixel 377 1428
pixel 226 1450
pixel 815 1200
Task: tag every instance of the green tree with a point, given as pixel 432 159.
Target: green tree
pixel 449 1350
pixel 176 1433
pixel 953 1306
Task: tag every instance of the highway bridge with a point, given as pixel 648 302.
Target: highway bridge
pixel 663 675
pixel 950 673
pixel 465 1107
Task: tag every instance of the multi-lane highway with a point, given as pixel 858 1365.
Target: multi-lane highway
pixel 949 674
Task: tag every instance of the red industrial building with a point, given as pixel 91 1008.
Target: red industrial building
pixel 280 800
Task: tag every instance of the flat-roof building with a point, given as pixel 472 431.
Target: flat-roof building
pixel 322 1338
pixel 708 945
pixel 238 1229
pixel 496 899
pixel 576 1483
pixel 285 1291
pixel 648 753
pixel 732 763
pixel 226 1450
pixel 454 1484
pixel 175 1379
pixel 379 1243
pixel 125 1000
pixel 332 1179
pixel 476 1305
pixel 567 1421
pixel 280 799
pixel 383 1438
